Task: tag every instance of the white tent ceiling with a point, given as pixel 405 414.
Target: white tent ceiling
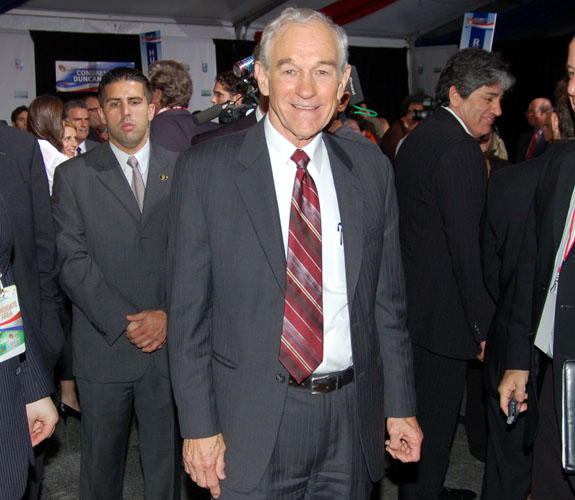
pixel 402 19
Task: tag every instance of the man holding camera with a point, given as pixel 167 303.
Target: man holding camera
pixel 440 179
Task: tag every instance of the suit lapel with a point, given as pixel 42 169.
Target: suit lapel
pixel 157 184
pixel 563 190
pixel 347 187
pixel 111 176
pixel 256 187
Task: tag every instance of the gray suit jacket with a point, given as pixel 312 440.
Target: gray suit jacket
pixel 112 258
pixel 227 273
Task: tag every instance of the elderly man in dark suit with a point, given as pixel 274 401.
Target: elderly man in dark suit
pixel 28 259
pixel 287 337
pixel 111 209
pixel 441 178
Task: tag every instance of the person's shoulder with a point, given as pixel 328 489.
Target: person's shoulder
pixel 11 137
pixel 166 154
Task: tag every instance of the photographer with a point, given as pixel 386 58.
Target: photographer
pixel 441 179
pixel 400 128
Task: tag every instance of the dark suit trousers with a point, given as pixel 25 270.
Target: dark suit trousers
pixel 106 414
pixel 549 480
pixel 439 383
pixel 507 473
pixel 317 454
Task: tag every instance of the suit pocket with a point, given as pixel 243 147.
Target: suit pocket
pixel 224 361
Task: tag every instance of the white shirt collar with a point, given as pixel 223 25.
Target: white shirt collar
pixel 280 147
pixel 458 119
pixel 142 155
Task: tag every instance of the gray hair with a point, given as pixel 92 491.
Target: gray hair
pixel 301 16
pixel 72 104
pixel 470 69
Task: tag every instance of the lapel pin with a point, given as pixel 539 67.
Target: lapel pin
pixel 163 177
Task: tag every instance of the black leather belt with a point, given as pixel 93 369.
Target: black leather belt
pixel 319 384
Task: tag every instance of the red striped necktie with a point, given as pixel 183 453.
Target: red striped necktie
pixel 301 349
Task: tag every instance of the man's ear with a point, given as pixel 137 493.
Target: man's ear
pixel 262 78
pixel 455 98
pixel 102 116
pixel 343 82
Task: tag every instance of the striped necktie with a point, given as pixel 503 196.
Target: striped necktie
pixel 301 349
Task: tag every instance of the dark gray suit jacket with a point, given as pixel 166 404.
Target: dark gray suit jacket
pixel 112 258
pixel 25 208
pixel 227 272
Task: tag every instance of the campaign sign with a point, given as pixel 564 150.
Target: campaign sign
pixel 478 30
pixel 150 48
pixel 83 76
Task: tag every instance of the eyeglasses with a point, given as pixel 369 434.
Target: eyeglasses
pixel 531 112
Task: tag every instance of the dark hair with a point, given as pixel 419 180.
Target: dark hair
pixel 16 112
pixel 73 104
pixel 123 74
pixel 564 110
pixel 470 69
pixel 410 100
pixel 232 83
pixel 46 119
pixel 173 79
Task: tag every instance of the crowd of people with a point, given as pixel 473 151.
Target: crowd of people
pixel 277 301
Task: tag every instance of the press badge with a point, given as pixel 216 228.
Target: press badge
pixel 11 327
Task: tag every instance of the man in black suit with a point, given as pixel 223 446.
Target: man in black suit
pixel 542 313
pixel 440 178
pixel 110 210
pixel 532 143
pixel 25 380
pixel 509 449
pixel 173 126
pixel 259 419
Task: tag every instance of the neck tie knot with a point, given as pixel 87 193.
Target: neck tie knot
pixel 300 158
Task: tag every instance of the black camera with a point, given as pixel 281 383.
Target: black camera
pixel 421 114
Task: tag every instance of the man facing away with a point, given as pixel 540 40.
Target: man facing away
pixel 286 297
pixel 110 213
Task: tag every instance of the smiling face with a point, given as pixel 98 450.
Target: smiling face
pixel 479 110
pixel 127 113
pixel 69 142
pixel 303 82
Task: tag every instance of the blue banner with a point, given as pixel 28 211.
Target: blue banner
pixel 478 31
pixel 83 76
pixel 150 48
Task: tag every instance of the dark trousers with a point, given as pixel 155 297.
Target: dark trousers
pixel 439 383
pixel 507 473
pixel 106 414
pixel 317 454
pixel 549 480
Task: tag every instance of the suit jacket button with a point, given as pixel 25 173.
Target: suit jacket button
pixel 18 370
pixel 281 378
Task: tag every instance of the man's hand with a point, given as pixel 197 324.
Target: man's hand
pixel 513 381
pixel 405 439
pixel 147 330
pixel 481 355
pixel 204 462
pixel 42 419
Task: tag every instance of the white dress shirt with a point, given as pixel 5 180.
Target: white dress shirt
pixel 337 355
pixel 52 158
pixel 546 327
pixel 143 157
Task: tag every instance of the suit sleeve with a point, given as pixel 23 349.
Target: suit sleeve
pixel 390 315
pixel 190 307
pixel 45 242
pixel 491 263
pixel 461 176
pixel 80 277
